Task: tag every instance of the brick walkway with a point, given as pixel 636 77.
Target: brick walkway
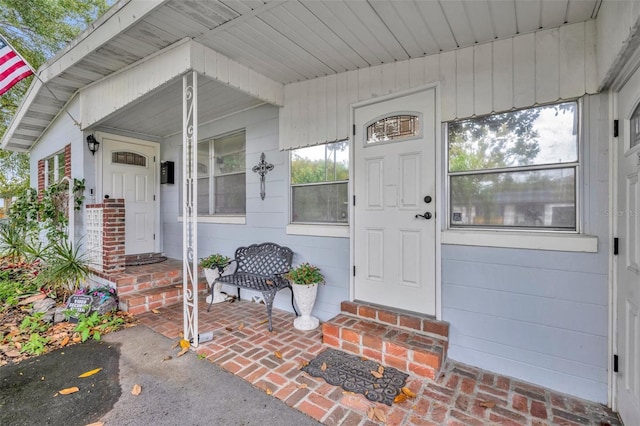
pixel 461 395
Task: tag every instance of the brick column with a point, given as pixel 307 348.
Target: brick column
pixel 67 161
pixel 113 235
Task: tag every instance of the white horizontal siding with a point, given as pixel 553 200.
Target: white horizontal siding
pixel 516 72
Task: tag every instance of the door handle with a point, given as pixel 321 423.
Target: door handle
pixel 426 215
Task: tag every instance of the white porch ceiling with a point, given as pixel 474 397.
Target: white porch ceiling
pixel 286 41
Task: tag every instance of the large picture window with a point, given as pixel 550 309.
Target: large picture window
pixel 222 175
pixel 319 184
pixel 516 170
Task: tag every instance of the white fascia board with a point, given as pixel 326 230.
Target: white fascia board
pixel 217 66
pixel 27 99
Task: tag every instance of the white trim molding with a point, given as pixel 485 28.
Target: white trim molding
pixel 234 220
pixel 522 240
pixel 336 231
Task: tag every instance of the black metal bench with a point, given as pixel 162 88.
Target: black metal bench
pixel 261 267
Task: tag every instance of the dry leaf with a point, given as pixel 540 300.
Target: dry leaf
pixel 182 352
pixel 376 374
pixel 137 389
pixel 370 413
pixel 155 311
pixel 278 354
pixel 241 326
pixel 303 364
pixel 487 404
pixel 302 386
pixel 96 424
pixel 89 373
pixel 408 392
pixel 167 358
pixel 65 341
pixel 18 345
pixel 269 282
pixel 77 339
pixel 228 328
pixel 184 344
pixel 400 398
pixel 379 414
pixel 348 393
pixel 67 391
pixel 381 369
pixel 323 367
pixel 175 345
pixel 268 391
pixel 263 322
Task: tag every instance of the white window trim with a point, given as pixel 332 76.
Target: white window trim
pixel 521 240
pixel 56 169
pixel 335 231
pixel 225 219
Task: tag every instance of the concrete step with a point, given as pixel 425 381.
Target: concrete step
pixel 408 342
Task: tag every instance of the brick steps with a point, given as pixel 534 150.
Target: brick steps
pixel 142 301
pixel 410 343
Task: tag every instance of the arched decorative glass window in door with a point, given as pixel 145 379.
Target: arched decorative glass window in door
pixel 635 128
pixel 392 128
pixel 128 158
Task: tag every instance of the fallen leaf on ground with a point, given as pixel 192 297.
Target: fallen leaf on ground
pixel 400 398
pixel 89 373
pixel 323 367
pixel 65 341
pixel 381 369
pixel 408 392
pixel 376 374
pixel 487 404
pixel 348 393
pixel 33 298
pixel 278 354
pixel 155 311
pixel 167 358
pixel 12 353
pixel 268 390
pixel 67 391
pixel 18 345
pixel 303 364
pixel 184 344
pixel 241 326
pixel 302 386
pixel 370 413
pixel 228 328
pixel 137 389
pixel 96 424
pixel 379 414
pixel 263 322
pixel 182 352
pixel 77 339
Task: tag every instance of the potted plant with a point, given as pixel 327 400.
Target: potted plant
pixel 305 279
pixel 214 266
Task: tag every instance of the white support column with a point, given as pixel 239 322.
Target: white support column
pixel 190 206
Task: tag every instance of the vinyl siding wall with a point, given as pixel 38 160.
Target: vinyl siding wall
pixel 266 219
pixel 540 316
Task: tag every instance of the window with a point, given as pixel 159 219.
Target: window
pixel 319 184
pixel 635 127
pixel 54 168
pixel 390 128
pixel 222 175
pixel 516 170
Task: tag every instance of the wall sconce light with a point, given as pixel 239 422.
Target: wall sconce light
pixel 93 144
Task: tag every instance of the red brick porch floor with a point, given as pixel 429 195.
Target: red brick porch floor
pixel 461 395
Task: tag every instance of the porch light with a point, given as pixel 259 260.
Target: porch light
pixel 93 144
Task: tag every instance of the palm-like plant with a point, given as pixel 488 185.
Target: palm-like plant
pixel 67 268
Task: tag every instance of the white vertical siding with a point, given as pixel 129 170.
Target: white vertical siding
pixel 516 72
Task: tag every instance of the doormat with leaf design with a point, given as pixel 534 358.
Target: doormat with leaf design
pixel 355 374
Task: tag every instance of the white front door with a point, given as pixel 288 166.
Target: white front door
pixel 394 168
pixel 628 259
pixel 129 172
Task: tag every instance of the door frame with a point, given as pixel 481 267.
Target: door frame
pixel 99 192
pixel 439 199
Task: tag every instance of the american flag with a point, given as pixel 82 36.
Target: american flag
pixel 12 67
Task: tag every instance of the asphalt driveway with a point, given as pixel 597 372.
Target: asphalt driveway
pixel 174 391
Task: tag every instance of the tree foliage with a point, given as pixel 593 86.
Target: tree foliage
pixel 37 29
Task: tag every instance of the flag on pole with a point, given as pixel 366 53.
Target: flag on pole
pixel 12 67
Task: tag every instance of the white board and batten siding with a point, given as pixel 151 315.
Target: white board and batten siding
pixel 516 72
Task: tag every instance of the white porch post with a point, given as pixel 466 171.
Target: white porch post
pixel 190 206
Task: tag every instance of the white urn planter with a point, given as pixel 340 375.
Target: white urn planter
pixel 212 274
pixel 305 297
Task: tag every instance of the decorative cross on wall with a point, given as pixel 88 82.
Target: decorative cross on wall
pixel 262 168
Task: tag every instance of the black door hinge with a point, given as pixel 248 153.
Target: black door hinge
pixel 615 128
pixel 354 200
pixel 354 270
pixel 354 130
pixel 616 245
pixel 154 237
pixel 154 197
pixel 615 363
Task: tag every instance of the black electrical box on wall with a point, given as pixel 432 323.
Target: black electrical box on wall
pixel 167 172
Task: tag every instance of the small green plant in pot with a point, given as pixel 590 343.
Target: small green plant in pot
pixel 213 266
pixel 305 279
